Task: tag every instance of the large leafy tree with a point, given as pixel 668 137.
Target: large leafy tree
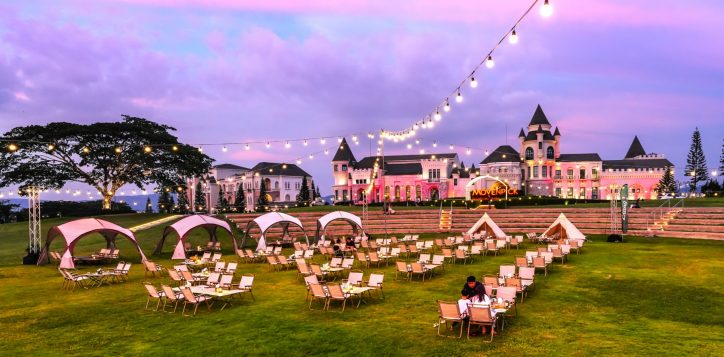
pixel 667 184
pixel 105 156
pixel 696 161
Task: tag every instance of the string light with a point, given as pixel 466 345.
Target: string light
pixel 85 149
pixel 434 144
pixel 174 148
pixel 547 9
pixel 299 162
pixel 147 149
pixel 468 151
pixel 201 149
pixel 305 142
pixel 224 149
pixel 247 147
pixel 268 144
pixel 438 116
pixel 473 82
pixel 513 38
pixel 446 108
pixel 409 146
pixel 459 97
pixel 322 141
pixel 51 147
pixel 12 147
pixel 489 62
pixel 339 139
pixel 117 150
pixel 326 152
pixel 452 147
pixel 287 145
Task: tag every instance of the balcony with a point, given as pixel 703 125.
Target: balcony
pixel 436 179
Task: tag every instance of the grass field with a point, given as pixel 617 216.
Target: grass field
pixel 645 297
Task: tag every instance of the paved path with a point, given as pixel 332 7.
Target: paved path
pixel 152 224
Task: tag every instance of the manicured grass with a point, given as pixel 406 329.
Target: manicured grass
pixel 644 297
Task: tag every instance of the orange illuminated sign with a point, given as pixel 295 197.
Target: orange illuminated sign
pixel 495 191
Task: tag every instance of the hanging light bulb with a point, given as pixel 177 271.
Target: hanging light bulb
pixel 546 10
pixel 414 127
pixel 417 141
pixel 489 62
pixel 311 156
pixel 354 137
pixel 434 144
pixel 422 151
pixel 326 152
pixel 201 149
pixel 424 125
pixel 117 150
pixel 446 108
pixel 438 116
pixel 51 147
pixel 247 147
pixel 268 144
pixel 473 82
pixel 459 97
pixel 339 139
pixel 452 147
pixel 85 149
pixel 305 142
pixel 224 149
pixel 430 124
pixel 174 148
pixel 299 161
pixel 284 166
pixel 409 146
pixel 486 153
pixel 513 38
pixel 468 151
pixel 322 141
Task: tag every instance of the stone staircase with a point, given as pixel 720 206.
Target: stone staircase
pixel 689 222
pixel 446 220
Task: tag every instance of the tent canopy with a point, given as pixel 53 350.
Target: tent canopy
pixel 566 229
pixel 328 218
pixel 267 220
pixel 73 231
pixel 185 225
pixel 485 223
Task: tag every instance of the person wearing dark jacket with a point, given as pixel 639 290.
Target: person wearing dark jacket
pixel 473 288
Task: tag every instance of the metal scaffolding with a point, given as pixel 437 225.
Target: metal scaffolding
pixel 34 229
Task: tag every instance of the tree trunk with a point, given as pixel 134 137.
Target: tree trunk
pixel 107 199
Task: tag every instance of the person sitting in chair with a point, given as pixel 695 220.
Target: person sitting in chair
pixel 473 292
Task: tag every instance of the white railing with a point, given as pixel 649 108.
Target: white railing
pixel 664 208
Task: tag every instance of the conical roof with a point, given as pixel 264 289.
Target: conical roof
pixel 556 132
pixel 636 149
pixel 344 153
pixel 522 133
pixel 539 117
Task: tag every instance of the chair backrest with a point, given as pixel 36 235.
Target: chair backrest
pixel 347 263
pixel 217 245
pixel 335 291
pixel 311 279
pixel 240 253
pixel 401 266
pixel 361 256
pixel 402 248
pixel 226 280
pixel 206 256
pixel 213 278
pixel 169 293
pixel 530 255
pixel 303 268
pixel 247 280
pixel 271 259
pixel 429 244
pixel 425 257
pixel 317 290
pixel 539 262
pixel 174 275
pixel 250 253
pixel 126 268
pixel 557 252
pixel 376 280
pixel 447 252
pixel 209 244
pixel 395 251
pixel 300 261
pixel 231 268
pixel 514 282
pixel 297 246
pixel 459 254
pixel 417 267
pixel 521 261
pixel 507 270
pixel 565 249
pixel 506 293
pixel 269 249
pixel 542 249
pixel 548 256
pixel 216 257
pixel 480 314
pixel 526 273
pixel 188 295
pixel 316 269
pixel 187 275
pixel 298 253
pixel 449 310
pixel 282 259
pixel 438 259
pixel 181 267
pixel 152 292
pixel 491 245
pixel 355 277
pixel 476 249
pixel 278 249
pixel 500 243
pixel 220 266
pixel 120 265
pixel 336 262
pixel 488 289
pixel 490 280
pixel 412 248
pixel 308 253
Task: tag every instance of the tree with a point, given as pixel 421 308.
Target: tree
pixel 711 186
pixel 183 201
pixel 721 158
pixel 163 201
pixel 105 156
pixel 240 200
pixel 171 204
pixel 667 184
pixel 303 196
pixel 6 209
pixel 262 202
pixel 199 199
pixel 696 162
pixel 317 194
pixel 149 206
pixel 313 191
pixel 222 204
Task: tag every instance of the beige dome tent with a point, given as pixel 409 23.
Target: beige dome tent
pixel 565 228
pixel 486 224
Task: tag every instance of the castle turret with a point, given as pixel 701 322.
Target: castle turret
pixel 342 163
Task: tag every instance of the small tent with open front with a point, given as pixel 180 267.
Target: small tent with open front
pixel 486 224
pixel 328 218
pixel 73 231
pixel 565 228
pixel 185 225
pixel 266 221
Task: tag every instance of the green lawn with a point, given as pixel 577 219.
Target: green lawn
pixel 645 297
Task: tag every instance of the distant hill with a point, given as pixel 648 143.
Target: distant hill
pixel 140 201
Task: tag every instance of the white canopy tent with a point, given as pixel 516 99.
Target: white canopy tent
pixel 328 218
pixel 485 223
pixel 566 229
pixel 266 221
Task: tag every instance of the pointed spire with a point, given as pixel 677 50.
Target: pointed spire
pixel 636 149
pixel 344 153
pixel 462 165
pixel 522 133
pixel 556 133
pixel 540 129
pixel 539 117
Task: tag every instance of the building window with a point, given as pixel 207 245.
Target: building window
pixel 540 146
pixel 344 195
pixel 335 167
pixel 545 171
pixel 433 175
pixel 535 171
pixel 287 198
pixel 344 167
pixel 594 193
pixel 570 192
pixel 397 193
pixel 558 192
pixel 529 153
pixel 570 176
pixel 583 192
pixel 594 174
pixel 336 195
pixel 408 190
pixel 583 174
pixel 276 185
pixel 558 174
pixel 455 182
pixel 550 153
pixel 418 192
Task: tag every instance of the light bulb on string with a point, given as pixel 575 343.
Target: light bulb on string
pixel 438 116
pixel 459 97
pixel 513 38
pixel 446 108
pixel 434 144
pixel 339 139
pixel 117 150
pixel 473 82
pixel 354 137
pixel 51 147
pixel 468 151
pixel 85 149
pixel 326 152
pixel 452 147
pixel 322 141
pixel 174 148
pixel 305 142
pixel 224 149
pixel 247 147
pixel 430 124
pixel 414 127
pixel 311 156
pixel 489 62
pixel 268 144
pixel 417 141
pixel 409 146
pixel 424 125
pixel 201 149
pixel 546 10
pixel 287 145
pixel 422 151
pixel 299 162
pixel 486 153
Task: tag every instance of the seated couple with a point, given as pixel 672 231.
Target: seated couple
pixel 473 292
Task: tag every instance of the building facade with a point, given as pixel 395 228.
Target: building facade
pixel 537 168
pixel 282 183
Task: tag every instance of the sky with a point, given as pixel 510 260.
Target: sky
pixel 234 71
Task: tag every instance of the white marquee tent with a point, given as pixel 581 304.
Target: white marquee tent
pixel 485 223
pixel 566 229
pixel 266 221
pixel 328 218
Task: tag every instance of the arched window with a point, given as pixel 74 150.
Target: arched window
pixel 549 153
pixel 529 154
pixel 287 198
pixel 276 185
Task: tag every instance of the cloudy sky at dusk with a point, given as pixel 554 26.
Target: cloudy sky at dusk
pixel 235 71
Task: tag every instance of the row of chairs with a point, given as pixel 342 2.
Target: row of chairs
pixel 169 296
